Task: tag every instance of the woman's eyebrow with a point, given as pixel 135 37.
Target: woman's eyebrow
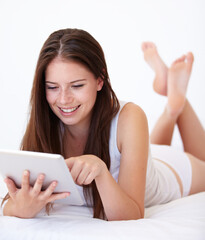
pixel 74 81
pixel 78 80
pixel 50 82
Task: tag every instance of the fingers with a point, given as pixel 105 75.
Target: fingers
pixel 76 171
pixel 38 185
pixel 75 165
pixel 11 187
pixel 49 191
pixel 70 162
pixel 57 196
pixel 84 177
pixel 35 194
pixel 25 183
pixel 84 168
pixel 89 178
pixel 49 196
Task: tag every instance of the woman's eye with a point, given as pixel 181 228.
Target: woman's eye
pixel 78 86
pixel 49 87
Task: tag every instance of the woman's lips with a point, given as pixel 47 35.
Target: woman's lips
pixel 69 110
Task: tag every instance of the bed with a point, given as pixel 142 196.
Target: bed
pixel 180 219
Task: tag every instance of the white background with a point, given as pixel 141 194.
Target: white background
pixel 176 26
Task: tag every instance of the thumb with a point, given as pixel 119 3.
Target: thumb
pixel 11 187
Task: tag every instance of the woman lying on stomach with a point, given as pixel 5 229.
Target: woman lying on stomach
pixel 105 143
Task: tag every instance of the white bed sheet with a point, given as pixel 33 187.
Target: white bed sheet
pixel 181 219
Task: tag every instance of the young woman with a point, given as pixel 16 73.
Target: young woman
pixel 74 112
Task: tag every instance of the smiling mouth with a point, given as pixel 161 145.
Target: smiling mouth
pixel 69 110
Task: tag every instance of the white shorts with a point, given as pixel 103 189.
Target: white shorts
pixel 179 161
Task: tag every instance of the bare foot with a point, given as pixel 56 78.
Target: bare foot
pixel 178 78
pixel 152 57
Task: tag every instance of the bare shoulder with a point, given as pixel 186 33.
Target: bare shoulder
pixel 132 112
pixel 132 121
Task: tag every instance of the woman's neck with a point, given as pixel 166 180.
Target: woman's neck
pixel 74 140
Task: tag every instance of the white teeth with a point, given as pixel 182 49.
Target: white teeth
pixel 66 110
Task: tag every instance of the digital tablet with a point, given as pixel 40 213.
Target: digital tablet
pixel 13 163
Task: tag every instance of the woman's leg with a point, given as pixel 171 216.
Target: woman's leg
pixel 152 57
pixel 192 132
pixel 177 80
pixel 178 110
pixel 165 124
pixel 198 174
pixel 190 128
pixel 163 130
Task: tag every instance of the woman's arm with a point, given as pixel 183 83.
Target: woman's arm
pixel 125 200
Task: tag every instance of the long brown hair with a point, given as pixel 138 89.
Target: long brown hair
pixel 43 133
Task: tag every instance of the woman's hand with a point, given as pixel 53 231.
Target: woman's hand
pixel 27 201
pixel 84 169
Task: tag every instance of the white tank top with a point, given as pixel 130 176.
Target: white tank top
pixel 159 178
pixel 152 195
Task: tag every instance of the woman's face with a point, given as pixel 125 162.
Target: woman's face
pixel 71 91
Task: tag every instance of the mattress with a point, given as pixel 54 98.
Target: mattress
pixel 180 219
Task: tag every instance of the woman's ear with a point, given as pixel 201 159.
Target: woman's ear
pixel 100 83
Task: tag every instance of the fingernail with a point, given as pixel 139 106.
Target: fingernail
pixel 54 184
pixel 67 195
pixel 25 173
pixel 41 177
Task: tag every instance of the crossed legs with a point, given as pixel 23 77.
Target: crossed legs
pixel 172 82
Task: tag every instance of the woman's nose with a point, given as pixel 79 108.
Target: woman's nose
pixel 66 97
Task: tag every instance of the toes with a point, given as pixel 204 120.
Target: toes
pixel 147 45
pixel 144 46
pixel 180 59
pixel 190 60
pixel 190 57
